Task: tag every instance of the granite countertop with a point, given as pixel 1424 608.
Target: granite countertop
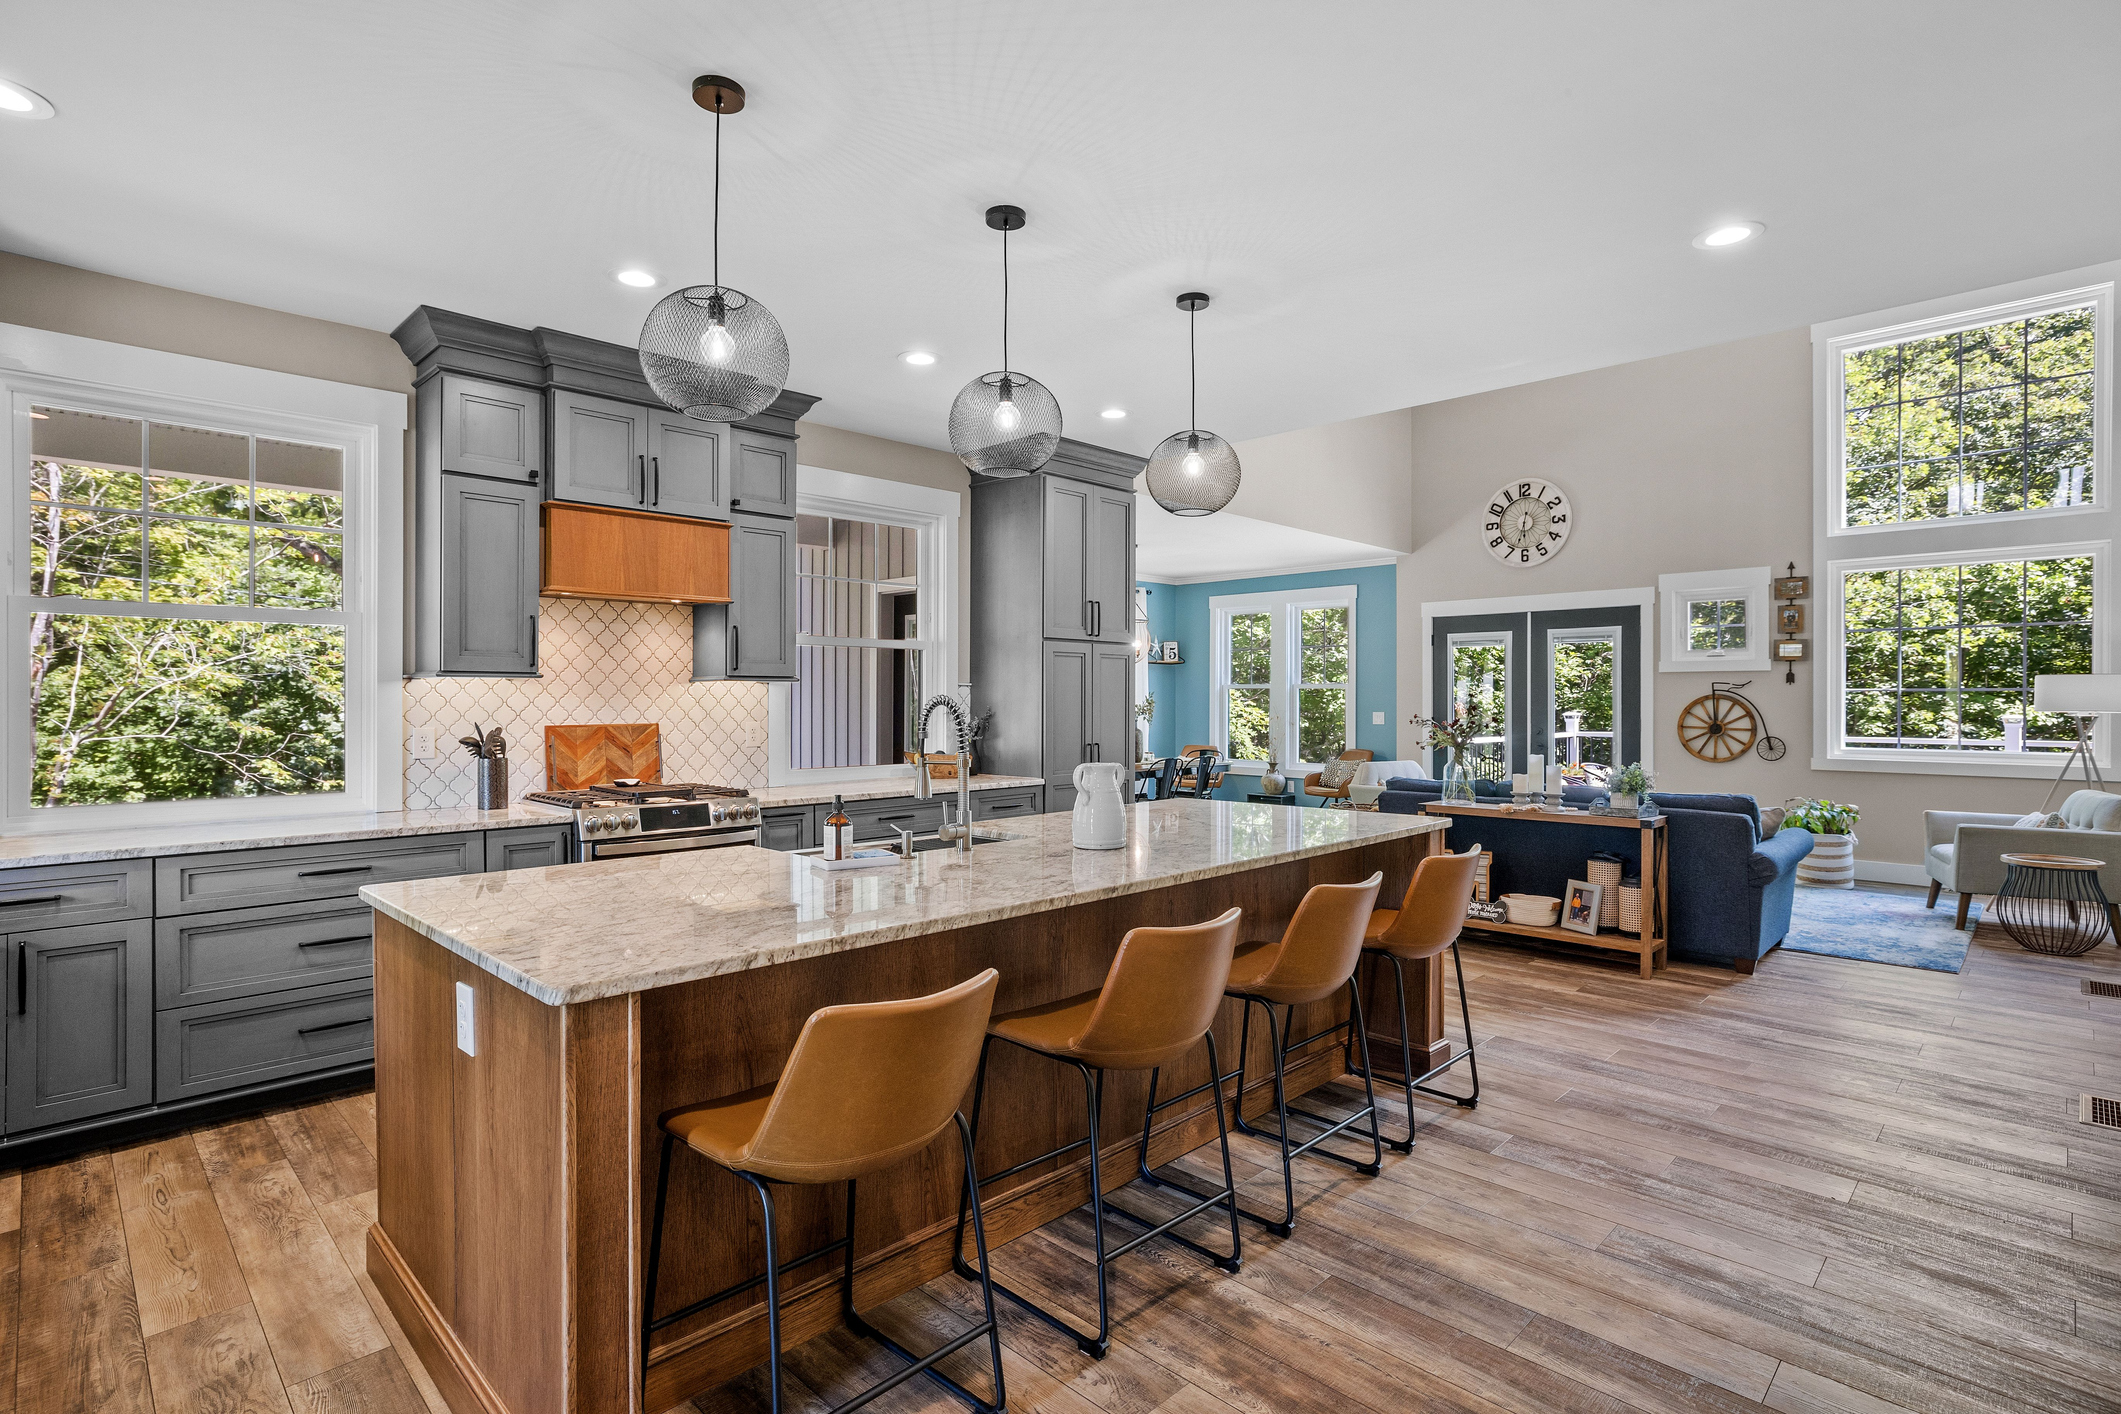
pixel 573 933
pixel 137 842
pixel 885 788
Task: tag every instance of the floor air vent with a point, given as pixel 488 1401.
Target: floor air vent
pixel 2101 989
pixel 2099 1109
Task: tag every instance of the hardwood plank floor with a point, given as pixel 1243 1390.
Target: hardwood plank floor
pixel 1829 1188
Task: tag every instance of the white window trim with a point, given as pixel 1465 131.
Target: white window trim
pixel 1836 757
pixel 1287 606
pixel 933 512
pixel 1675 592
pixel 366 424
pixel 2014 535
pixel 1508 643
pixel 1829 354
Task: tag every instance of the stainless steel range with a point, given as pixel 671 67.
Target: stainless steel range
pixel 614 820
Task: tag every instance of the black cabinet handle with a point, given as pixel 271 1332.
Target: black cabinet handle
pixel 333 942
pixel 533 642
pixel 656 497
pixel 341 869
pixel 1097 618
pixel 21 979
pixel 643 464
pixel 335 1026
pixel 35 898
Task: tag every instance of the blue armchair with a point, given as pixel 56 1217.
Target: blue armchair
pixel 1731 891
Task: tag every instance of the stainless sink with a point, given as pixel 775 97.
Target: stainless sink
pixel 922 844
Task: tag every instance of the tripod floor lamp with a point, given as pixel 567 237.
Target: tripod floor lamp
pixel 2080 696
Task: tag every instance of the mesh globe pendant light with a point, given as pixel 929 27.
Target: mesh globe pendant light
pixel 1003 423
pixel 709 351
pixel 1193 473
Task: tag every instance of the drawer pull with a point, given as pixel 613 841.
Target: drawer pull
pixel 36 898
pixel 334 942
pixel 335 1026
pixel 342 869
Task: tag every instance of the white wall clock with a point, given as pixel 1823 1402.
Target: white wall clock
pixel 1527 522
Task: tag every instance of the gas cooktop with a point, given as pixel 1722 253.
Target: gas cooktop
pixel 612 793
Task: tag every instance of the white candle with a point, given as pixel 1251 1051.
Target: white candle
pixel 1538 770
pixel 1554 781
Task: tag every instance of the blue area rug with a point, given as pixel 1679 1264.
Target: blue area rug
pixel 1880 927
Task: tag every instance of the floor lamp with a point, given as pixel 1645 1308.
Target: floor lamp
pixel 2080 696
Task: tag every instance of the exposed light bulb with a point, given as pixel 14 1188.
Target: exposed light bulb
pixel 1006 416
pixel 1194 464
pixel 716 347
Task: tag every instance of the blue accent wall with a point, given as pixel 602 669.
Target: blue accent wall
pixel 1180 611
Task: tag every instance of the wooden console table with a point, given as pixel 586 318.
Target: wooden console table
pixel 1656 891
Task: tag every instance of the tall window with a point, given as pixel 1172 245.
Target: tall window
pixel 1284 668
pixel 1986 420
pixel 1480 680
pixel 858 643
pixel 1584 700
pixel 187 633
pixel 1941 657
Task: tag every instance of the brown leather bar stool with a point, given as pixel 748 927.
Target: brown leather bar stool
pixel 1430 920
pixel 866 1087
pixel 1315 958
pixel 1158 1002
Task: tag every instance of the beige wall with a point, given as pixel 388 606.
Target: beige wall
pixel 1347 479
pixel 1695 461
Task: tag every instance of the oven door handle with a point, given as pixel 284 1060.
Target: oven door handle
pixel 616 849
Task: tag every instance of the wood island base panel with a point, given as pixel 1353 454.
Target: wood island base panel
pixel 516 1183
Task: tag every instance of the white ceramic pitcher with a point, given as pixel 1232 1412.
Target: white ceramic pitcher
pixel 1100 817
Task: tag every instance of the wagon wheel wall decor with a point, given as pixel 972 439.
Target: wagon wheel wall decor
pixel 1719 727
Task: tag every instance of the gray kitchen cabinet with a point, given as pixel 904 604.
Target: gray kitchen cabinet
pixel 216 1046
pixel 203 883
pixel 1052 615
pixel 79 1022
pixel 882 819
pixel 1008 801
pixel 762 475
pixel 752 638
pixel 53 895
pixel 486 579
pixel 528 847
pixel 494 430
pixel 599 450
pixel 688 466
pixel 211 957
pixel 788 827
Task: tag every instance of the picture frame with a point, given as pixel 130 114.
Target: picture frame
pixel 1580 905
pixel 1789 650
pixel 1170 647
pixel 1796 586
pixel 1789 618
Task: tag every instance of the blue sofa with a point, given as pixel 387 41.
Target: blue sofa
pixel 1731 890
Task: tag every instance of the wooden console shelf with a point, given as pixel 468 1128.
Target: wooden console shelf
pixel 595 552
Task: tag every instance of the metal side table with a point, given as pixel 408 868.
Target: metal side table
pixel 2052 903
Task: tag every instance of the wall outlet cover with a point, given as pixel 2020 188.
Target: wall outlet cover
pixel 467 1029
pixel 1377 719
pixel 422 745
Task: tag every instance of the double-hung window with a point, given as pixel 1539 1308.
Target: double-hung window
pixel 1284 675
pixel 1967 520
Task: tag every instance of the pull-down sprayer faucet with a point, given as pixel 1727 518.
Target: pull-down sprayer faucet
pixel 961 831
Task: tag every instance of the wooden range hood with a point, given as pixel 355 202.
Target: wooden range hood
pixel 594 552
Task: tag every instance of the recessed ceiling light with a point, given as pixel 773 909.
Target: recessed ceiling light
pixel 18 102
pixel 639 279
pixel 1114 413
pixel 1736 233
pixel 917 358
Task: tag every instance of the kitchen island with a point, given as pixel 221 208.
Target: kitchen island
pixel 531 1026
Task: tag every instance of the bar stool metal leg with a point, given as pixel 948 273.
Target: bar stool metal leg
pixel 1411 1082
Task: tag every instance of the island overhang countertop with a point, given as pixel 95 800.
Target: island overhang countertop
pixel 577 932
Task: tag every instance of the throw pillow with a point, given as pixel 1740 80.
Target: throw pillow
pixel 2041 821
pixel 1771 821
pixel 1337 774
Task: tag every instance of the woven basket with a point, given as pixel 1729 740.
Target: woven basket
pixel 1607 872
pixel 1481 874
pixel 1631 908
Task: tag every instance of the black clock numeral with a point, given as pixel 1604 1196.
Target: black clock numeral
pixel 1553 535
pixel 1492 525
pixel 1542 550
pixel 1524 557
pixel 1495 508
pixel 1524 488
pixel 1553 503
pixel 1561 520
pixel 1496 541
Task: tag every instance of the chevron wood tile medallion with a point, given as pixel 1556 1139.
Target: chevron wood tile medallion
pixel 578 756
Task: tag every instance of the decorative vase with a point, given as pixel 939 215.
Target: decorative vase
pixel 1273 783
pixel 1621 801
pixel 1457 780
pixel 1831 864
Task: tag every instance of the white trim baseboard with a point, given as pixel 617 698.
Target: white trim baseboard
pixel 1882 871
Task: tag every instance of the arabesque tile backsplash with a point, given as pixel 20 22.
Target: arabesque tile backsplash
pixel 602 661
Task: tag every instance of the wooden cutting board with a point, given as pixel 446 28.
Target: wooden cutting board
pixel 581 756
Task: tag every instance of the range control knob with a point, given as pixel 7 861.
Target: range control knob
pixel 592 824
pixel 631 820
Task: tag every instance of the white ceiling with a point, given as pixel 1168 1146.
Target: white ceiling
pixel 1391 202
pixel 1175 549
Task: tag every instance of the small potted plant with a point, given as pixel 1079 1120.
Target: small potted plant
pixel 1626 787
pixel 1453 737
pixel 1144 712
pixel 1832 862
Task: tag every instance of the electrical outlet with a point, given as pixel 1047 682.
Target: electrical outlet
pixel 1377 719
pixel 467 1029
pixel 423 746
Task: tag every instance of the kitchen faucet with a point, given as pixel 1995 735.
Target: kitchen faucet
pixel 923 790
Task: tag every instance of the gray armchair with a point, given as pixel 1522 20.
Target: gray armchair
pixel 1963 849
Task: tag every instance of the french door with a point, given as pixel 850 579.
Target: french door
pixel 1563 684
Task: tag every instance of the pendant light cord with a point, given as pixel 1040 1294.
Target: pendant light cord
pixel 718 191
pixel 1192 378
pixel 1005 308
